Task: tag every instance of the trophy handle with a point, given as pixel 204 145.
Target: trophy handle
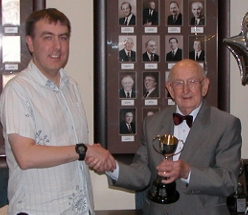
pixel 159 151
pixel 157 137
pixel 241 167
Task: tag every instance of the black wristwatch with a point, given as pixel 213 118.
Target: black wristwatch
pixel 81 149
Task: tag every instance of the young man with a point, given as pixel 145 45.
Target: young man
pixel 198 54
pixel 150 86
pixel 176 53
pixel 45 127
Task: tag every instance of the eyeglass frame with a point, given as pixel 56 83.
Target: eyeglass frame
pixel 191 83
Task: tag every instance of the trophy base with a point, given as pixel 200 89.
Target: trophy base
pixel 163 193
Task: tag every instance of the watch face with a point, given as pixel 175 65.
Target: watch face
pixel 81 149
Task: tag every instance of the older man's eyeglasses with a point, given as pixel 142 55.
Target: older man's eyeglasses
pixel 191 83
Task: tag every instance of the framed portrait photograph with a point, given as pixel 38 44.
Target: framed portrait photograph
pixel 136 44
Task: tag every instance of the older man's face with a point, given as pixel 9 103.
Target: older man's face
pixel 126 10
pixel 174 9
pixel 127 83
pixel 187 96
pixel 196 10
pixel 129 117
pixel 151 47
pixel 152 5
pixel 128 44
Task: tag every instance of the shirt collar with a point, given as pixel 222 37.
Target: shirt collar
pixel 198 52
pixel 193 113
pixel 175 50
pixel 128 91
pixel 149 55
pixel 127 51
pixel 129 17
pixel 151 90
pixel 42 80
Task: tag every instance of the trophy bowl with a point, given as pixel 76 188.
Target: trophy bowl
pixel 159 192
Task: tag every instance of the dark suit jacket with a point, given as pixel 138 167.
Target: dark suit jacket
pixel 176 57
pixel 202 21
pixel 123 95
pixel 147 18
pixel 213 150
pixel 146 58
pixel 132 20
pixel 200 58
pixel 177 22
pixel 124 129
pixel 124 58
pixel 154 93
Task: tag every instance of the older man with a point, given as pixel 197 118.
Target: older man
pixel 127 54
pixel 150 15
pixel 127 126
pixel 127 84
pixel 151 49
pixel 206 170
pixel 176 17
pixel 197 10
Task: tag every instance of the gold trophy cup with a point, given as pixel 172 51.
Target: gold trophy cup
pixel 159 192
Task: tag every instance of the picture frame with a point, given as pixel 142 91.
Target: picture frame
pixel 106 33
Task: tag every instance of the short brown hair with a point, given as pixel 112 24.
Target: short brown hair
pixel 51 14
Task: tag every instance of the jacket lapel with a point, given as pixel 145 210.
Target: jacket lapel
pixel 167 125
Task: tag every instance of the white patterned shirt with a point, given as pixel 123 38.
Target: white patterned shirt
pixel 34 107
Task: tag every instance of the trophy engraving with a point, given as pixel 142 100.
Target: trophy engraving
pixel 159 192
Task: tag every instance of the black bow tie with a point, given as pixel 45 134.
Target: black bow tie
pixel 178 119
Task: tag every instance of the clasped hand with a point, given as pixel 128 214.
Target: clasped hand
pixel 172 170
pixel 99 159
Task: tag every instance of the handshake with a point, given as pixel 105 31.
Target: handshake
pixel 99 159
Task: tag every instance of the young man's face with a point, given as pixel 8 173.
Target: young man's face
pixel 50 46
pixel 149 82
pixel 173 44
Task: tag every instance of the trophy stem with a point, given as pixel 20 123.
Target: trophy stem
pixel 160 192
pixel 163 193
